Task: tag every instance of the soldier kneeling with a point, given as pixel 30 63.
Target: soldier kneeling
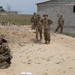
pixel 5 56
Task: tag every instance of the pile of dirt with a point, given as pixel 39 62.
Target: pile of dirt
pixel 56 58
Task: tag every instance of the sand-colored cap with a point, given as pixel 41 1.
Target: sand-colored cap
pixel 38 14
pixel 45 15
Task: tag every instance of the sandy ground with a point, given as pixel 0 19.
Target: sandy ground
pixel 57 58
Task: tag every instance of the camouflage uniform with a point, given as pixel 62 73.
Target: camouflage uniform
pixel 60 24
pixel 5 50
pixel 33 20
pixel 39 22
pixel 5 55
pixel 47 22
pixel 3 63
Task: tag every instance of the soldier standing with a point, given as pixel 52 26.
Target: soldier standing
pixel 39 22
pixel 60 24
pixel 46 23
pixel 33 20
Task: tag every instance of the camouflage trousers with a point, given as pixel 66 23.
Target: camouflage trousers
pixel 59 26
pixel 47 35
pixel 3 63
pixel 39 33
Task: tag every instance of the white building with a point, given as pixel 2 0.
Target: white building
pixel 54 8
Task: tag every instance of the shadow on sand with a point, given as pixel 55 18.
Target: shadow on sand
pixel 37 42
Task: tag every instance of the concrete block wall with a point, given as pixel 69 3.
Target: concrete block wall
pixel 54 9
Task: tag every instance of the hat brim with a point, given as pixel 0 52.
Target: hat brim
pixel 45 15
pixel 38 15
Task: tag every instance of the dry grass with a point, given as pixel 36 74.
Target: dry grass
pixel 16 18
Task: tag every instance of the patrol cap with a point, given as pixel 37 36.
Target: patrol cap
pixel 3 38
pixel 45 15
pixel 38 15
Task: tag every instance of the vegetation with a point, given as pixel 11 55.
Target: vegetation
pixel 16 18
pixel 70 34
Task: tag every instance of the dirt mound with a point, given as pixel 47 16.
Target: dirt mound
pixel 57 58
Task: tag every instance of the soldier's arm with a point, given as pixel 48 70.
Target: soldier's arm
pixel 63 20
pixel 42 22
pixel 32 20
pixel 50 21
pixel 5 53
pixel 6 48
pixel 58 21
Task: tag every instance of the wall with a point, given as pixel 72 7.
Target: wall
pixel 54 9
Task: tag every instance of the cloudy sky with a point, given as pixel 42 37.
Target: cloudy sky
pixel 23 6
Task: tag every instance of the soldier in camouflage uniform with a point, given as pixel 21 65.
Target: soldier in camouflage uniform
pixel 60 24
pixel 5 56
pixel 46 23
pixel 33 20
pixel 39 22
pixel 3 63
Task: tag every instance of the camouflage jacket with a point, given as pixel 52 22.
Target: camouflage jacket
pixel 33 18
pixel 46 23
pixel 4 49
pixel 39 22
pixel 61 21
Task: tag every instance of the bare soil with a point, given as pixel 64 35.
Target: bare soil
pixel 56 58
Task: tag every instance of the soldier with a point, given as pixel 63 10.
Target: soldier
pixel 5 56
pixel 47 22
pixel 3 63
pixel 33 20
pixel 60 24
pixel 39 22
